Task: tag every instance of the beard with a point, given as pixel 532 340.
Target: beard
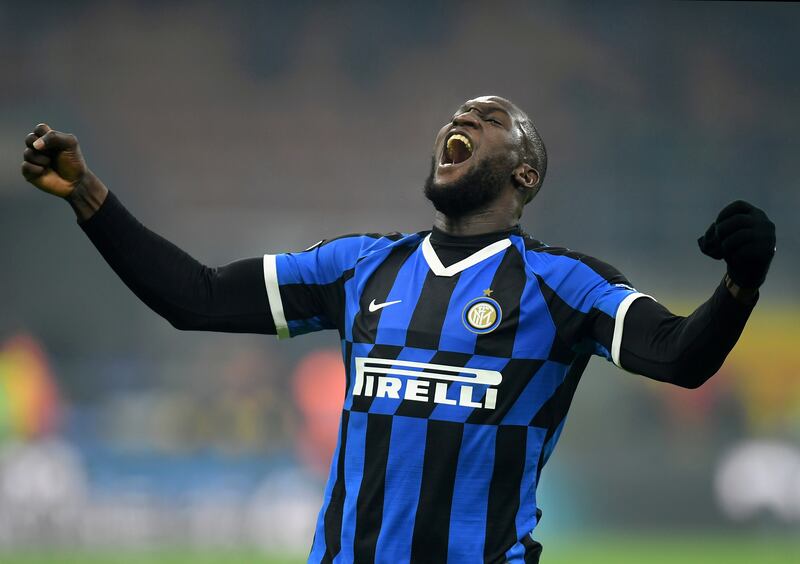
pixel 473 191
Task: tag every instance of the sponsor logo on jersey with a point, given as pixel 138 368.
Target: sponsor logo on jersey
pixel 373 307
pixel 426 382
pixel 482 315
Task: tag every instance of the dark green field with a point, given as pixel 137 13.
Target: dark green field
pixel 603 550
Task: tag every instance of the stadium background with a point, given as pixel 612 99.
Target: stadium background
pixel 241 128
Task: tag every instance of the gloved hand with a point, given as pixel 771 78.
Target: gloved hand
pixel 744 236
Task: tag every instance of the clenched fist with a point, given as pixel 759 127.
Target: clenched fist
pixel 53 161
pixel 744 236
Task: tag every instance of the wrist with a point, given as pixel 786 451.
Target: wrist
pixel 87 196
pixel 745 296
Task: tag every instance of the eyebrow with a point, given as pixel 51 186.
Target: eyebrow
pixel 485 108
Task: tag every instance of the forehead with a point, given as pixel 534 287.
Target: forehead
pixel 491 103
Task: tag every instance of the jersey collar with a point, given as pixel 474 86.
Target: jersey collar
pixel 439 269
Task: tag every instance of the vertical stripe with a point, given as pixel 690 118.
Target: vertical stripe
pixel 507 287
pixel 347 354
pixel 516 553
pixel 324 263
pixel 354 286
pixel 425 326
pixel 509 465
pixel 533 549
pixel 480 414
pixel 369 507
pixel 575 282
pixel 351 295
pixel 536 393
pixel 471 284
pixel 526 550
pixel 394 320
pixel 550 445
pixel 376 288
pixel 403 478
pixel 333 514
pixel 471 493
pixel 318 547
pixel 389 352
pixel 551 415
pixel 353 472
pixel 432 523
pixel 527 516
pixel 536 329
pixel 411 408
pixel 517 375
pixel 388 404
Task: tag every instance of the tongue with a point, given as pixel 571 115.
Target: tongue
pixel 458 152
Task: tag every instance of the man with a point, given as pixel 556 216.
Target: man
pixel 463 345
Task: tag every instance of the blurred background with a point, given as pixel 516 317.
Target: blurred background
pixel 240 128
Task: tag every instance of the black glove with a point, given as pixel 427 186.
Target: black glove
pixel 744 236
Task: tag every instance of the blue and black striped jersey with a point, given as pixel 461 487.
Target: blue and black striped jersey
pixel 458 382
pixel 462 355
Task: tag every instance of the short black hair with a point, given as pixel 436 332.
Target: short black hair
pixel 534 151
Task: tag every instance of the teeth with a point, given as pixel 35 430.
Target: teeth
pixel 459 137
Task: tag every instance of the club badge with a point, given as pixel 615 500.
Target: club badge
pixel 482 315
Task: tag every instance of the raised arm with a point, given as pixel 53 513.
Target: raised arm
pixel 687 351
pixel 188 294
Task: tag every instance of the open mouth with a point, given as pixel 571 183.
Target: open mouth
pixel 458 148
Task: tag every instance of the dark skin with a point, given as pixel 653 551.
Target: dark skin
pixel 492 125
pixel 53 163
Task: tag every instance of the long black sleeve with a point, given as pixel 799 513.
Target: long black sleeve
pixel 188 294
pixel 685 351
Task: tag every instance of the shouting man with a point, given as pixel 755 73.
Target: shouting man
pixel 462 345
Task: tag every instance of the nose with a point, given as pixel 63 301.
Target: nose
pixel 466 119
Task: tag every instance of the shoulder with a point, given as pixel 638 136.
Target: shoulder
pixel 327 260
pixel 541 256
pixel 365 242
pixel 346 250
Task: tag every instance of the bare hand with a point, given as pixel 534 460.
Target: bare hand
pixel 53 161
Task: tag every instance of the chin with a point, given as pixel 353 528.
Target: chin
pixel 459 189
pixel 450 176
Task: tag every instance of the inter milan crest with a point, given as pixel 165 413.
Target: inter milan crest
pixel 482 315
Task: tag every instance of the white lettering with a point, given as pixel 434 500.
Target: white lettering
pixel 465 398
pixel 388 387
pixel 414 381
pixel 417 390
pixel 440 395
pixel 490 400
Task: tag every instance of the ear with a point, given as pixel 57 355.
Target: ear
pixel 527 179
pixel 526 176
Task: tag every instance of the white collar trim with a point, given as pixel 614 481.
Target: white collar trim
pixel 439 269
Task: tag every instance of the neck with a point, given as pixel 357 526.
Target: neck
pixel 499 215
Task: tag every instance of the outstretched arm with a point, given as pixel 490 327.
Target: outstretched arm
pixel 687 351
pixel 188 294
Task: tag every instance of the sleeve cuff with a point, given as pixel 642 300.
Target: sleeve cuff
pixel 619 324
pixel 108 210
pixel 274 296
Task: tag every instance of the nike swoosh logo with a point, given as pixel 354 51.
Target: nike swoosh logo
pixel 375 307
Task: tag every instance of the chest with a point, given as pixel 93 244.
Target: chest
pixel 491 307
